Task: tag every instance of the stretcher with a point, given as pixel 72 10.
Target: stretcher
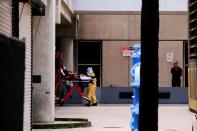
pixel 74 80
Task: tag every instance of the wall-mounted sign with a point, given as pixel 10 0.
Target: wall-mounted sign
pixel 169 57
pixel 127 51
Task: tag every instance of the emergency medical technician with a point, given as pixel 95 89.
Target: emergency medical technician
pixel 91 90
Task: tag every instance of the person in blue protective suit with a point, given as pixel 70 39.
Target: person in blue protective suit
pixel 91 89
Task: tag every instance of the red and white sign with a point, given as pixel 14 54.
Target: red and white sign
pixel 126 52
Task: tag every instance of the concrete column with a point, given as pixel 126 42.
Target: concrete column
pixel 44 64
pixel 67 53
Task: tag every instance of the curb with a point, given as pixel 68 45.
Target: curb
pixel 63 123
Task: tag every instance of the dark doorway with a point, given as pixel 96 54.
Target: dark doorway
pixel 89 55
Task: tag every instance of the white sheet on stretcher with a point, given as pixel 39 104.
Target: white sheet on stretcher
pixel 85 78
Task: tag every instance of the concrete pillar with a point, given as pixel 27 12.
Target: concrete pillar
pixel 67 53
pixel 44 65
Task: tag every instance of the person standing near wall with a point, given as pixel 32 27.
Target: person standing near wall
pixel 176 72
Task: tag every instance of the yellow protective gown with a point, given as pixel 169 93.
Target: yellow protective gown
pixel 91 89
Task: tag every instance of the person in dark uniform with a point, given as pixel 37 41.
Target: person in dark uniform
pixel 176 72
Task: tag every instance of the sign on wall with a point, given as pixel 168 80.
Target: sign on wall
pixel 169 57
pixel 127 51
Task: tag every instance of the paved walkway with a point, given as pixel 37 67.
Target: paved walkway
pixel 117 117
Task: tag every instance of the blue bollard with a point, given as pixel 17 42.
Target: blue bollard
pixel 135 85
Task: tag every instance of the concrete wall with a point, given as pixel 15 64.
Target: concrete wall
pixel 67 53
pixel 64 11
pixel 115 66
pixel 175 47
pixel 173 29
pixel 173 26
pixel 104 27
pixel 119 31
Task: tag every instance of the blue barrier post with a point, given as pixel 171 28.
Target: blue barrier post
pixel 135 85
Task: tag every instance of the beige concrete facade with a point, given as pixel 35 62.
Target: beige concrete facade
pixel 175 47
pixel 104 27
pixel 173 26
pixel 67 50
pixel 123 30
pixel 115 71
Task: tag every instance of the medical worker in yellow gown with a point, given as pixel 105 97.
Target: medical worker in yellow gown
pixel 91 89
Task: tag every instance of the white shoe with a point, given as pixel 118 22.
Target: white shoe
pixel 87 99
